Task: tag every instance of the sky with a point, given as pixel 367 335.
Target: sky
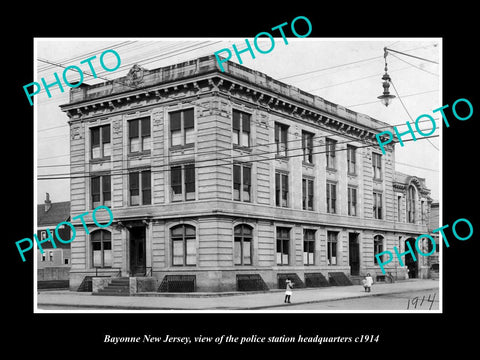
pixel 343 71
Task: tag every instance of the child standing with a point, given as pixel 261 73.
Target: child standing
pixel 367 283
pixel 288 290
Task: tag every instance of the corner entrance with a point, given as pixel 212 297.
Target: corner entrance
pixel 411 265
pixel 137 251
pixel 354 253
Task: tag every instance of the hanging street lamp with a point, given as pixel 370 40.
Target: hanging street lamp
pixel 386 98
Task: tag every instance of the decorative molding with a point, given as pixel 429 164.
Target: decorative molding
pixel 135 76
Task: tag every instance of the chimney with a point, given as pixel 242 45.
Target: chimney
pixel 48 203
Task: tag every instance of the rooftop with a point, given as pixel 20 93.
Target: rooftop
pixel 58 212
pixel 140 80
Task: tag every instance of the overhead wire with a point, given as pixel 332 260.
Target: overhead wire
pixel 253 146
pixel 84 55
pixel 415 66
pixel 156 58
pixel 408 113
pixel 101 73
pixel 128 170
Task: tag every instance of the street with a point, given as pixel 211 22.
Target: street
pixel 400 301
pixel 410 299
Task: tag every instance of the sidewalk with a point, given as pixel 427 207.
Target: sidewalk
pixel 225 301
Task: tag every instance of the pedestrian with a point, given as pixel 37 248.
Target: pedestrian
pixel 288 290
pixel 367 283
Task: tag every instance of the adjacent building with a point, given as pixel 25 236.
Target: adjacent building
pixel 232 180
pixel 54 263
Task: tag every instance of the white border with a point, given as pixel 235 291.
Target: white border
pixel 273 311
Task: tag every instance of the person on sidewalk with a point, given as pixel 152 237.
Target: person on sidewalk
pixel 367 283
pixel 288 290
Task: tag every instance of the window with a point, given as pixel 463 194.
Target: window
pixel 181 128
pixel 183 182
pixel 139 135
pixel 44 256
pixel 377 205
pixel 332 248
pixel 307 146
pixel 330 153
pixel 352 201
pixel 100 142
pixel 242 182
pixel 307 194
pixel 101 249
pixel 101 191
pixel 377 166
pixel 308 247
pixel 50 256
pixel 140 187
pixel 331 198
pixel 242 249
pixel 377 247
pixel 66 261
pixel 422 211
pixel 399 208
pixel 184 248
pixel 283 245
pixel 281 139
pixel 351 159
pixel 281 189
pixel 411 194
pixel 241 128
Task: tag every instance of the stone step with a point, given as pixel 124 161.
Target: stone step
pixel 118 287
pixel 120 282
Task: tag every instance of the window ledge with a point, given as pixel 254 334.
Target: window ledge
pixel 100 160
pixel 308 164
pixel 242 148
pixel 181 147
pixel 139 153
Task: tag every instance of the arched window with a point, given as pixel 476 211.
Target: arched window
pixel 184 248
pixel 377 247
pixel 101 248
pixel 411 194
pixel 242 245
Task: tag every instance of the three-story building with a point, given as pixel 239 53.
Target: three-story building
pixel 232 180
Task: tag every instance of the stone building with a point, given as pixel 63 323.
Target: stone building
pixel 231 180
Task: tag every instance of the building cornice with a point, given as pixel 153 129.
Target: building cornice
pixel 270 95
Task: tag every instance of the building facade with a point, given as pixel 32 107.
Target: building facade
pixel 224 179
pixel 49 215
pixel 53 265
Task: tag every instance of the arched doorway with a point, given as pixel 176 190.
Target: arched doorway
pixel 409 261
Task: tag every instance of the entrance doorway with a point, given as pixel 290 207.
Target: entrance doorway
pixel 411 265
pixel 354 253
pixel 137 251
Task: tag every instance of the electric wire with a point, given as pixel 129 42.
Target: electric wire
pixel 401 101
pixel 296 138
pixel 291 134
pixel 416 57
pixel 415 66
pixel 129 170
